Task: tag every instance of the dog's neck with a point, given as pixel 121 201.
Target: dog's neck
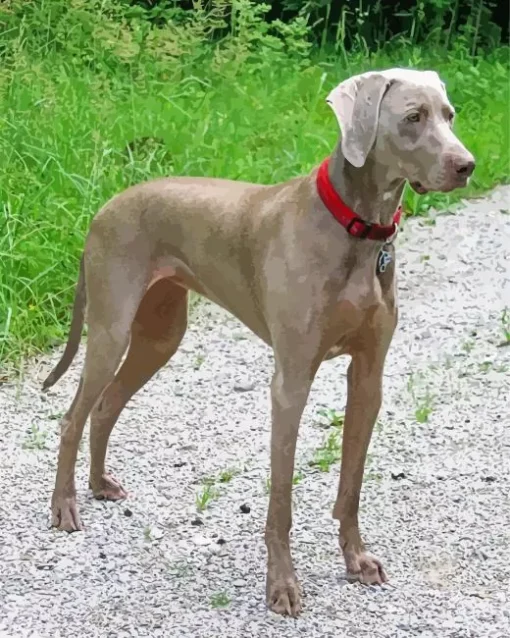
pixel 369 191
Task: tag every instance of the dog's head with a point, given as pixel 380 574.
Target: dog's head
pixel 403 119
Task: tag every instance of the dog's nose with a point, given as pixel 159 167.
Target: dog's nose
pixel 465 168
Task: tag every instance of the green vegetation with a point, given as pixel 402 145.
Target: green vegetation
pixel 329 453
pixel 220 600
pixel 205 496
pixel 422 398
pixel 505 325
pixel 98 95
pixel 35 438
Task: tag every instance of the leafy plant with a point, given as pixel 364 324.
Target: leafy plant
pixel 204 498
pixel 35 438
pixel 505 325
pixel 328 453
pixel 333 417
pixel 220 600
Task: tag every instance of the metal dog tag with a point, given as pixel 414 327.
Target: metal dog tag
pixel 383 260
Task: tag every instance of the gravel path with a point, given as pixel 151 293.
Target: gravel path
pixel 435 504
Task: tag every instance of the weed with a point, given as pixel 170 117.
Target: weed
pixel 485 366
pixel 199 360
pixel 329 453
pixel 423 399
pixel 505 325
pixel 468 346
pixel 220 600
pixel 371 475
pixel 227 475
pixel 333 417
pixel 424 407
pixel 35 439
pixel 298 477
pixel 205 496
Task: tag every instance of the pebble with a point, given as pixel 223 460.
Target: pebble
pixel 244 387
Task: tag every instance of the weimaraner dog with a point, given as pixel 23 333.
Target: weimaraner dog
pixel 308 265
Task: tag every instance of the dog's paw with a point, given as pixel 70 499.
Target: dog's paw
pixel 64 514
pixel 107 488
pixel 284 596
pixel 365 568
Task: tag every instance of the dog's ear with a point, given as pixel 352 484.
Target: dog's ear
pixel 356 103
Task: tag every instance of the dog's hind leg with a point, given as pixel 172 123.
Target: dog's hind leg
pixel 115 286
pixel 158 328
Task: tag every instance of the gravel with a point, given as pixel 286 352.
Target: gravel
pixel 435 502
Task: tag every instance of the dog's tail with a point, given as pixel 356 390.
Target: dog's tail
pixel 73 341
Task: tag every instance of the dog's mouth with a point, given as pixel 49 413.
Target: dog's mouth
pixel 418 188
pixel 460 182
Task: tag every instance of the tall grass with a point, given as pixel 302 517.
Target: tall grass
pixel 87 109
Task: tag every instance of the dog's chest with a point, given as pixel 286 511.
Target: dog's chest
pixel 364 307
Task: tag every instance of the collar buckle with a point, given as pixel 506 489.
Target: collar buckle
pixel 362 231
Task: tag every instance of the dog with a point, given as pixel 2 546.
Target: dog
pixel 308 265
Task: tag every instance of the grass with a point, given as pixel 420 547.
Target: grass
pixel 334 418
pixel 205 496
pixel 423 399
pixel 220 600
pixel 505 326
pixel 329 453
pixel 35 439
pixel 78 125
pixel 227 475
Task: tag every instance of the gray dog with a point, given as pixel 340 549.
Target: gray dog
pixel 307 265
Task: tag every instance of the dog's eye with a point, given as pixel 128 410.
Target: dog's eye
pixel 414 117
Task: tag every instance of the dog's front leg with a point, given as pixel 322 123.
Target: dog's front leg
pixel 364 396
pixel 289 392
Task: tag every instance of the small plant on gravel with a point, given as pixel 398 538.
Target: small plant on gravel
pixel 35 439
pixel 423 401
pixel 199 360
pixel 424 407
pixel 468 345
pixel 220 600
pixel 329 453
pixel 227 475
pixel 296 480
pixel 505 326
pixel 333 417
pixel 205 496
pixel 485 366
pixel 298 477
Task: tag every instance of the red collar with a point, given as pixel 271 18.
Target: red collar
pixel 354 225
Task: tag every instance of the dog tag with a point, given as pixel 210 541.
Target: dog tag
pixel 383 260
